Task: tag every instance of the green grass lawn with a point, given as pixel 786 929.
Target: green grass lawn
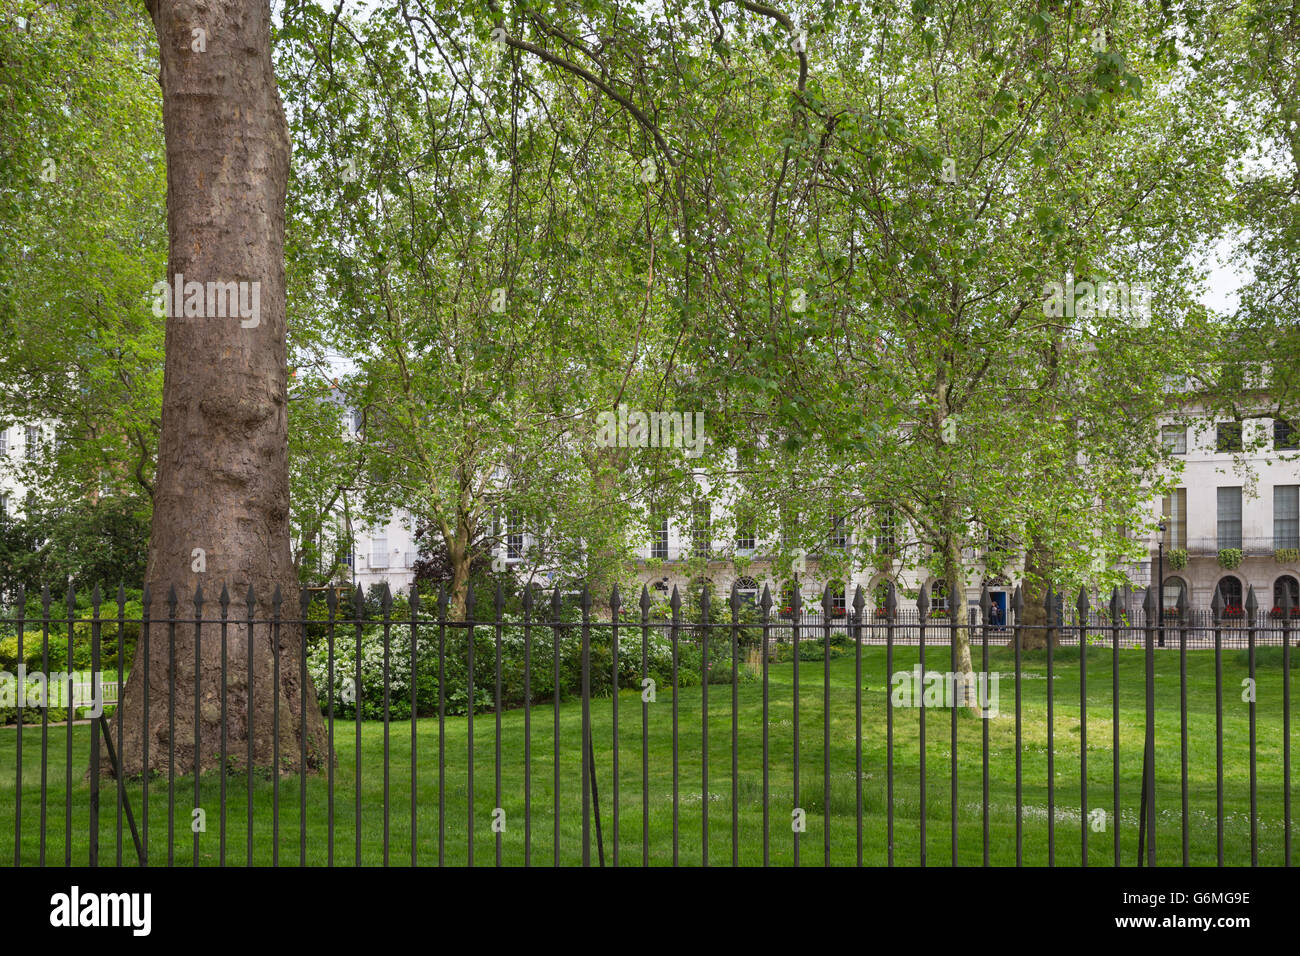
pixel 749 784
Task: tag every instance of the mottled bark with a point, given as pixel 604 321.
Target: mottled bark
pixel 223 481
pixel 1038 567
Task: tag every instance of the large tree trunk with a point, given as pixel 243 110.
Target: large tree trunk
pixel 1038 570
pixel 223 478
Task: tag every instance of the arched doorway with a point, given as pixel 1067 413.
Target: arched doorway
pixel 1286 590
pixel 1231 595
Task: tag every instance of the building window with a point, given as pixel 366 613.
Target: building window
pixel 1228 437
pixel 1286 586
pixel 839 536
pixel 659 542
pixel 745 536
pixel 1285 438
pixel 1173 587
pixel 747 589
pixel 938 599
pixel 837 599
pixel 1286 516
pixel 4 505
pixel 1230 591
pixel 4 441
pixel 1229 517
pixel 1175 514
pixel 1174 438
pixel 379 551
pixel 514 535
pixel 33 438
pixel 886 530
pixel 700 519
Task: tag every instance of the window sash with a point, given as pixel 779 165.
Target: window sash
pixel 1286 516
pixel 1174 439
pixel 1229 517
pixel 1175 513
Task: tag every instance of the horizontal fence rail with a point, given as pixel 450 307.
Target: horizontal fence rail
pixel 554 732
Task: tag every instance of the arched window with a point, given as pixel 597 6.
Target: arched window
pixel 1173 585
pixel 837 598
pixel 1231 595
pixel 1286 587
pixel 747 588
pixel 938 599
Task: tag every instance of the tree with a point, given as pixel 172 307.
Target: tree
pixel 221 500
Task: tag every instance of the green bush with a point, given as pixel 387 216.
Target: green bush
pixel 541 682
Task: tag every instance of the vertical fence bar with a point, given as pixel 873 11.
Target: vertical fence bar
pixel 528 726
pixel 796 615
pixel 1081 609
pixel 469 722
pixel 1216 607
pixel 586 726
pixel 1147 818
pixel 1287 608
pixel 555 638
pixel 331 604
pixel 1252 606
pixel 304 607
pixel 676 603
pixel 1115 610
pixel 146 614
pixel 766 604
pixel 386 605
pixel 498 606
pixel 986 603
pixel 119 770
pixel 704 725
pixel 224 601
pixel 954 609
pixel 891 610
pixel 735 727
pixel 1051 725
pixel 18 742
pixel 1018 608
pixel 72 713
pixel 251 608
pixel 645 727
pixel 1182 711
pixel 826 726
pixel 615 603
pixel 45 718
pixel 358 696
pixel 97 690
pixel 923 612
pixel 171 725
pixel 859 602
pixel 277 604
pixel 198 717
pixel 442 724
pixel 414 603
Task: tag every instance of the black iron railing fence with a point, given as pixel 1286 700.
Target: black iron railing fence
pixel 578 665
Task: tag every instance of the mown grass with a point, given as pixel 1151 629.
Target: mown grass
pixel 658 814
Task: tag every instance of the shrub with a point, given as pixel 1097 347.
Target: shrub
pixel 1287 555
pixel 1178 559
pixel 1230 558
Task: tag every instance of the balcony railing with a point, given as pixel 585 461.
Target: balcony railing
pixel 1250 547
